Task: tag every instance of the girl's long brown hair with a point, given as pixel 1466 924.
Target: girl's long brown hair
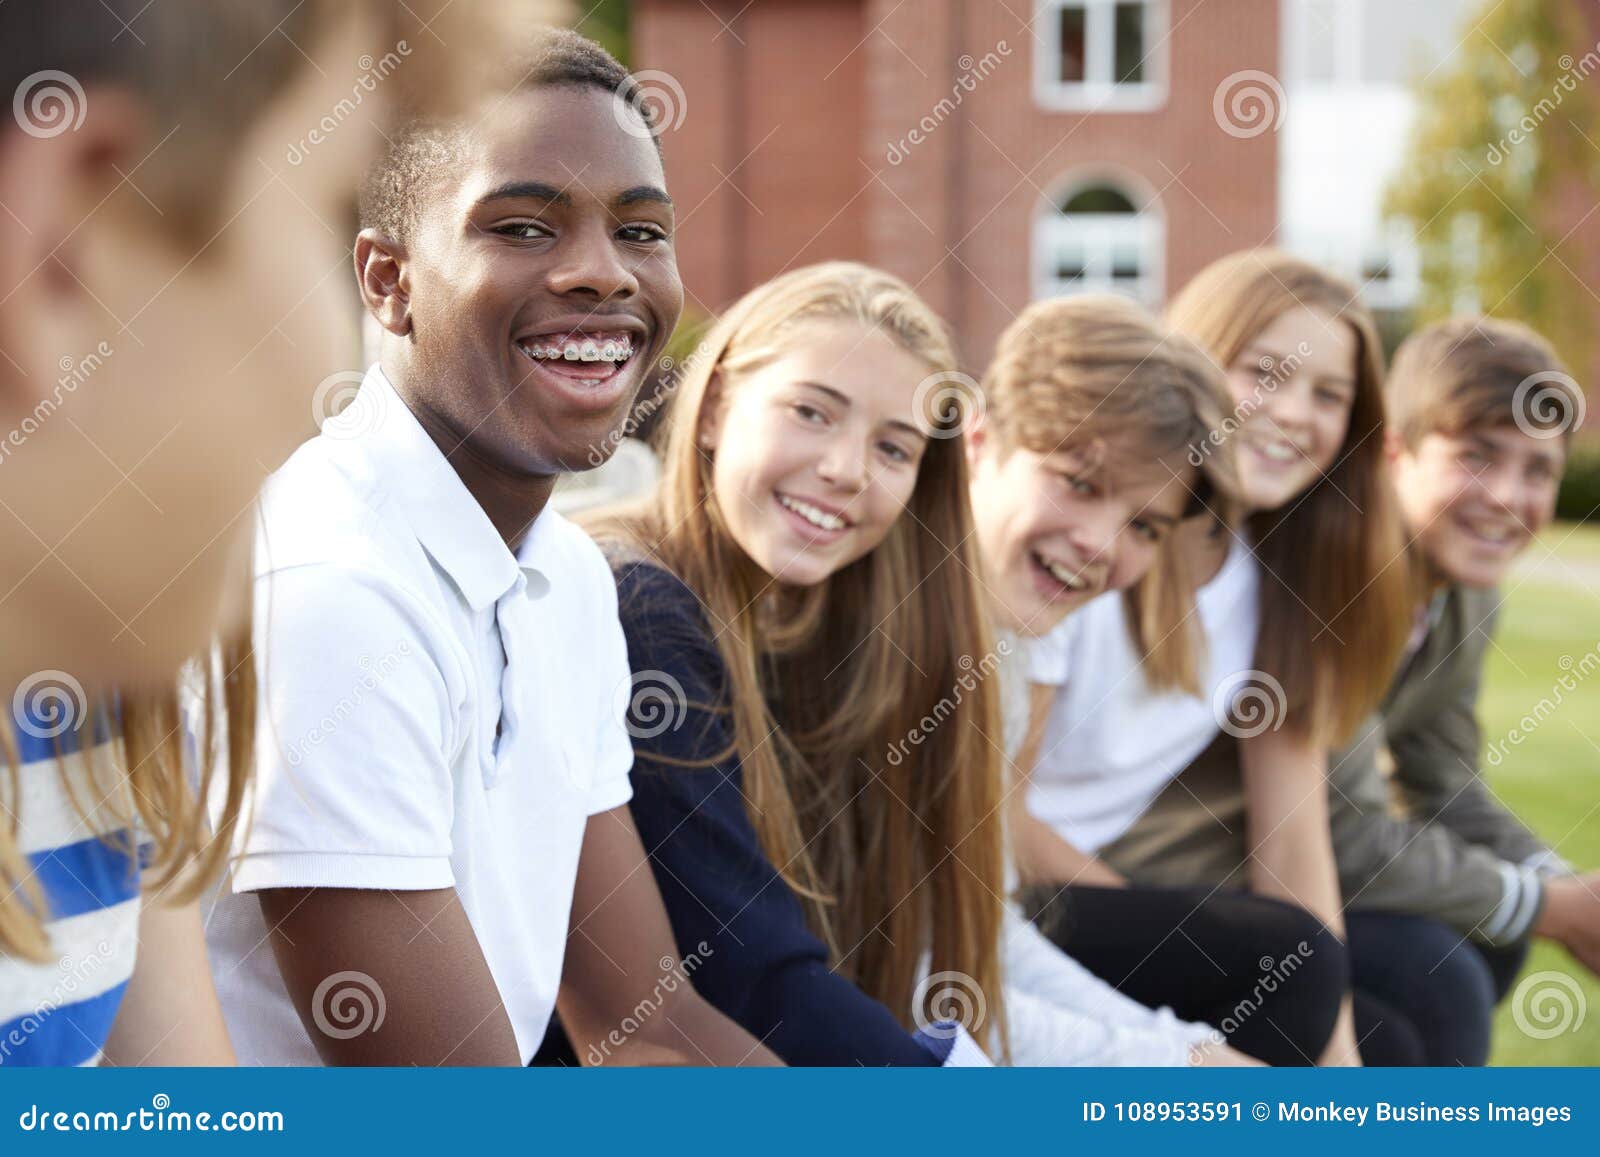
pixel 895 847
pixel 1336 593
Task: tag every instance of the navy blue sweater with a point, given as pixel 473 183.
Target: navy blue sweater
pixel 764 968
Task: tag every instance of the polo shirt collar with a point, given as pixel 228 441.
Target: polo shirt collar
pixel 447 520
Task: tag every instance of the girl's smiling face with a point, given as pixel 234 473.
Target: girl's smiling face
pixel 815 453
pixel 1294 385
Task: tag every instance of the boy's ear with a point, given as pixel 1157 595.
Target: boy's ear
pixel 55 176
pixel 384 278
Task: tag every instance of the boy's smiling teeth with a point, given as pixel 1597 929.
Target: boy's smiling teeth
pixel 815 516
pixel 1496 533
pixel 597 348
pixel 1060 573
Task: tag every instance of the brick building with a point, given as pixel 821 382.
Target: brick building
pixel 989 151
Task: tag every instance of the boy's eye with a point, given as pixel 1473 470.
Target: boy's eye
pixel 525 230
pixel 642 234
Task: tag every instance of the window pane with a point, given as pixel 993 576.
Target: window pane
pixel 1125 260
pixel 1074 44
pixel 1320 26
pixel 1069 261
pixel 1130 43
pixel 1098 199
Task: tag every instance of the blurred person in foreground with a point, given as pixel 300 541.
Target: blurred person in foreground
pixel 174 179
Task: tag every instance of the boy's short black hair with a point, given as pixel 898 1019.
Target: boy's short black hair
pixel 396 186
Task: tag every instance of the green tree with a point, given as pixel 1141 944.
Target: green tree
pixel 1505 133
pixel 606 21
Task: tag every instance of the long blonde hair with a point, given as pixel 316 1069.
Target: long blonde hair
pixel 144 782
pixel 892 858
pixel 1335 609
pixel 1094 370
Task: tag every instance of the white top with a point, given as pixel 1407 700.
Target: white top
pixel 1059 1013
pixel 1111 744
pixel 435 713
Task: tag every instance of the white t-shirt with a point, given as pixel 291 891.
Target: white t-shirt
pixel 435 712
pixel 1060 1013
pixel 1111 743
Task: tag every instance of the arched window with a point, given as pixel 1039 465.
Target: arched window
pixel 1100 237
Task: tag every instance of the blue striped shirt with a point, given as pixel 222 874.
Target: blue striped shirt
pixel 60 1012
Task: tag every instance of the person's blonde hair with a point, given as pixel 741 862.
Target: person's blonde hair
pixel 1336 596
pixel 1098 374
pixel 147 787
pixel 1477 373
pixel 892 859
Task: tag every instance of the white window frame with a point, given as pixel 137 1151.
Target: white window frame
pixel 1346 38
pixel 1099 234
pixel 1098 91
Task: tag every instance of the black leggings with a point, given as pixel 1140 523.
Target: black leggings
pixel 1266 973
pixel 1272 977
pixel 1424 995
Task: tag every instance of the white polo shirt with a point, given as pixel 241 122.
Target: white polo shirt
pixel 1111 744
pixel 435 712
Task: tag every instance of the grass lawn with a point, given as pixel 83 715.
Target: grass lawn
pixel 1550 620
